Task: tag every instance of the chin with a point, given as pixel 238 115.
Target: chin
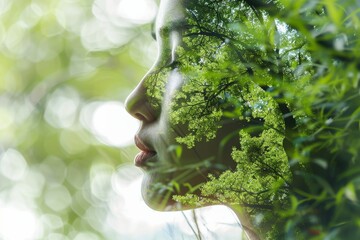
pixel 158 190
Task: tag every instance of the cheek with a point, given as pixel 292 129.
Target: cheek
pixel 218 150
pixel 205 154
pixel 213 156
pixel 166 128
pixel 173 85
pixel 158 187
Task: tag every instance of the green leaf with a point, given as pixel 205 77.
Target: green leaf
pixel 350 192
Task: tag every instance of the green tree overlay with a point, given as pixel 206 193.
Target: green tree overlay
pixel 291 70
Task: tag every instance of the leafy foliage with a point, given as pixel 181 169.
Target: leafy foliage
pixel 301 58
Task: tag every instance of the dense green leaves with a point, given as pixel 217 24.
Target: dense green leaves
pixel 247 61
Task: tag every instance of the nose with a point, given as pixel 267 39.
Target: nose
pixel 138 105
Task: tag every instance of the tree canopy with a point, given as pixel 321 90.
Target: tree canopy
pixel 255 61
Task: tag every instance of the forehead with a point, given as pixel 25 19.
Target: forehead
pixel 170 13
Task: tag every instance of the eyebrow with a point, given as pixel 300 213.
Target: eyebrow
pixel 169 27
pixel 179 26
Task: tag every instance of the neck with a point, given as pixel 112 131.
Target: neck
pixel 248 227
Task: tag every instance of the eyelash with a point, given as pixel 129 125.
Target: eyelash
pixel 153 35
pixel 172 65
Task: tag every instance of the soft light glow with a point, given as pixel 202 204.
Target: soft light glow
pixel 86 236
pixel 110 123
pixel 97 35
pixel 125 12
pixel 4 6
pixel 100 175
pixel 129 211
pixel 137 11
pixel 57 198
pixel 114 20
pixel 6 117
pixel 127 183
pixel 61 108
pixel 13 165
pixel 18 224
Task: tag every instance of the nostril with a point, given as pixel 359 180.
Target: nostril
pixel 139 116
pixel 139 107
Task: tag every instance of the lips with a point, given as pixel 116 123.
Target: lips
pixel 142 158
pixel 145 155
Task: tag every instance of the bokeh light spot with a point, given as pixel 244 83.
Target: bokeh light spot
pixel 62 107
pixel 54 170
pixel 110 123
pixel 57 198
pixel 6 117
pixel 86 236
pixel 51 221
pixel 100 177
pixel 137 11
pixel 18 224
pixel 4 6
pixel 13 165
pixel 32 185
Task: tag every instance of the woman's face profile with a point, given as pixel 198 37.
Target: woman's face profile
pixel 185 106
pixel 171 168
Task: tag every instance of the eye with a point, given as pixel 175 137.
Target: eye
pixel 173 65
pixel 153 33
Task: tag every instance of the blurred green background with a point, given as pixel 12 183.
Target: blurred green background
pixel 66 66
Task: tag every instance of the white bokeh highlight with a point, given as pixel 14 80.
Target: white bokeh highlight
pixel 18 224
pixel 114 21
pixel 13 165
pixel 137 11
pixel 110 123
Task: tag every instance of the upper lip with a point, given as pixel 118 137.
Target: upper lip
pixel 141 145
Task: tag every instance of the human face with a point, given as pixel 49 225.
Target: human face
pixel 173 166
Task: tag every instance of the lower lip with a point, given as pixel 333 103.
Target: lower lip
pixel 142 157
